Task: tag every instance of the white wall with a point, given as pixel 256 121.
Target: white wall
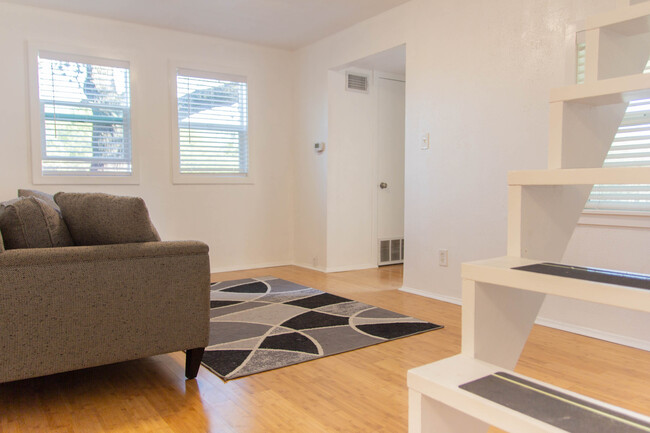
pixel 351 174
pixel 310 187
pixel 244 225
pixel 323 195
pixel 478 80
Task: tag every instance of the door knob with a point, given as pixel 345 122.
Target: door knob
pixel 383 185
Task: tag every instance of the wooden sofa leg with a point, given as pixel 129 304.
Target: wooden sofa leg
pixel 193 361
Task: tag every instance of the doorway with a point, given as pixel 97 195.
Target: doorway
pixel 390 169
pixel 366 129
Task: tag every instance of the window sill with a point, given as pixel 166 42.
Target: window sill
pixel 39 179
pixel 615 219
pixel 211 179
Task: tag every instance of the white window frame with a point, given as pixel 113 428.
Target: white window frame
pixel 81 55
pixel 217 73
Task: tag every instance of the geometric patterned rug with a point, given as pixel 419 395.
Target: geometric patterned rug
pixel 260 324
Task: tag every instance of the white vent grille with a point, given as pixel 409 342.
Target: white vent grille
pixel 391 251
pixel 356 82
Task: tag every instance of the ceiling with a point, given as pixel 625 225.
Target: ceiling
pixel 288 24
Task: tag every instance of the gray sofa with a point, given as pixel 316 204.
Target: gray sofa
pixel 73 307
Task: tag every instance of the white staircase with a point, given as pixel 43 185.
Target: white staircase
pixel 500 304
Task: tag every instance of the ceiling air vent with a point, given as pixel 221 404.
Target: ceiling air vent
pixel 356 82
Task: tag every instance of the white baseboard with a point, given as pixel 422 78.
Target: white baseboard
pixel 290 263
pixel 310 267
pixel 350 268
pixel 426 294
pixel 246 267
pixel 562 326
pixel 595 333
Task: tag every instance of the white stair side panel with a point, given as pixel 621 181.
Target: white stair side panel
pixel 581 176
pixel 555 134
pixel 515 221
pixel 630 20
pixel 440 381
pixel 611 54
pixel 541 219
pixel 498 271
pixel 592 40
pixel 496 321
pixel 427 415
pixel 605 92
pixel 580 135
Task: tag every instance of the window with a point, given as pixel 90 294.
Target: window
pixel 84 118
pixel 212 127
pixel 631 147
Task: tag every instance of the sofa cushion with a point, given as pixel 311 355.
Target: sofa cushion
pixel 29 222
pixel 2 244
pixel 47 198
pixel 102 219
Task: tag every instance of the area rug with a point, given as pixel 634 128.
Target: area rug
pixel 260 324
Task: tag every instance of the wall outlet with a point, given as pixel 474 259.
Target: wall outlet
pixel 443 258
pixel 314 261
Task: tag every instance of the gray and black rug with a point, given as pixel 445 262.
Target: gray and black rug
pixel 260 324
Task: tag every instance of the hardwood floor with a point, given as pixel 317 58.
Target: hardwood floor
pixel 360 391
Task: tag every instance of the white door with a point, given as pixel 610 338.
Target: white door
pixel 390 170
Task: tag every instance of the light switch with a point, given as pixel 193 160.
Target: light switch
pixel 424 141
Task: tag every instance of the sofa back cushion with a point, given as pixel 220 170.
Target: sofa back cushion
pixel 29 222
pixel 47 198
pixel 102 219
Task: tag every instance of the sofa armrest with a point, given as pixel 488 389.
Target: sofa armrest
pixel 54 256
pixel 74 307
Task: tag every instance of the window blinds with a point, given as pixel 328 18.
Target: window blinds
pixel 631 147
pixel 85 117
pixel 212 124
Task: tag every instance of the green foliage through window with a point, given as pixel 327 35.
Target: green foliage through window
pixel 85 118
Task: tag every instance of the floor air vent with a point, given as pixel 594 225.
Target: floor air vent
pixel 391 251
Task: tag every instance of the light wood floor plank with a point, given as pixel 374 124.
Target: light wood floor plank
pixel 359 391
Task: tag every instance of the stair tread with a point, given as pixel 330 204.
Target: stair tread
pixel 500 271
pixel 628 279
pixel 515 403
pixel 604 92
pixel 631 20
pixel 581 176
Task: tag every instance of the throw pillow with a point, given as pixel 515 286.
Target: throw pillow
pixel 102 219
pixel 47 198
pixel 29 222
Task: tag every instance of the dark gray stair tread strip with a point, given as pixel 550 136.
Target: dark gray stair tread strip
pixel 629 279
pixel 553 407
